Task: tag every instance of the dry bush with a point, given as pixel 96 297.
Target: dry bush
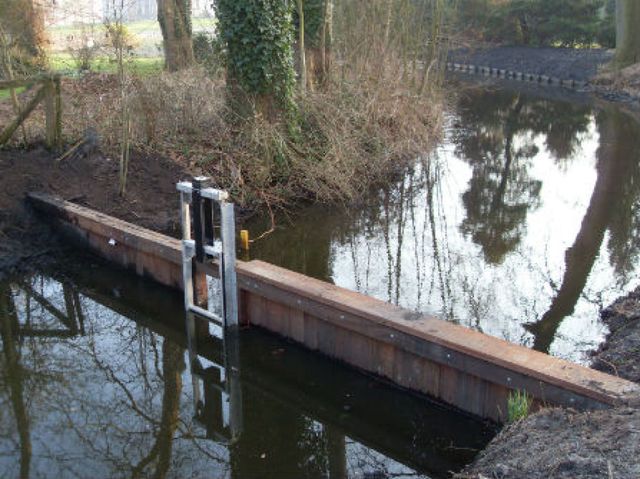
pixel 351 136
pixel 378 109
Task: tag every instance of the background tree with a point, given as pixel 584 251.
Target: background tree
pixel 22 22
pixel 627 32
pixel 174 17
pixel 259 44
pixel 318 37
pixel 539 22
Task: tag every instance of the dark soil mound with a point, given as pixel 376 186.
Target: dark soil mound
pixel 91 180
pixel 558 443
pixel 563 63
pixel 620 354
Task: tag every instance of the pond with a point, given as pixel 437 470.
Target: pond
pixel 522 224
pixel 98 379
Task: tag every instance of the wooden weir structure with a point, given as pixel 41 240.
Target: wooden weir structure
pixel 464 368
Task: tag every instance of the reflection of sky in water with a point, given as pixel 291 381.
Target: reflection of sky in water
pixel 494 298
pixel 497 299
pixel 97 403
pixel 478 233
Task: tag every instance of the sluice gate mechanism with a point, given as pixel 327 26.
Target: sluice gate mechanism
pixel 208 257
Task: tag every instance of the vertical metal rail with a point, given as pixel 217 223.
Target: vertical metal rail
pixel 198 204
pixel 228 266
pixel 216 385
pixel 198 201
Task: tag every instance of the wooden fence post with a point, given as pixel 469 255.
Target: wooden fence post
pixel 58 127
pixel 5 135
pixel 50 112
pixel 50 95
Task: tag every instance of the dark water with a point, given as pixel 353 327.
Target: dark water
pixel 95 382
pixel 522 224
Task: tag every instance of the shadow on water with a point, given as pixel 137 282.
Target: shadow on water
pixel 522 224
pixel 96 383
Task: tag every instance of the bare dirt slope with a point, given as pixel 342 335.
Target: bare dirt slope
pixel 620 354
pixel 624 82
pixel 90 180
pixel 564 63
pixel 560 443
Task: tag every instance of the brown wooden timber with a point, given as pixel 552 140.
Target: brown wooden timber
pixel 50 93
pixel 465 368
pixel 20 82
pixel 22 116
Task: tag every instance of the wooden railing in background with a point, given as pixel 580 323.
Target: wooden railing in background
pixel 49 93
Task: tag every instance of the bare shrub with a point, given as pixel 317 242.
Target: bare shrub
pixel 378 109
pixel 84 48
pixel 351 135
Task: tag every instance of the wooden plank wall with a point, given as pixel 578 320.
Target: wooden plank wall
pixel 461 367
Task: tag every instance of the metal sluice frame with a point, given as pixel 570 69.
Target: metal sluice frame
pixel 198 202
pixel 216 385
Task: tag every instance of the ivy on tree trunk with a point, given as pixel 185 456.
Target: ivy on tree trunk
pixel 259 46
pixel 174 17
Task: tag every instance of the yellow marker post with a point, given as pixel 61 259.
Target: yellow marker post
pixel 244 239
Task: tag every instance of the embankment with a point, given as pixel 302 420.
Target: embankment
pixel 562 443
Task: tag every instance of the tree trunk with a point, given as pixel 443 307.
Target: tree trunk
pixel 627 32
pixel 174 17
pixel 259 38
pixel 318 40
pixel 23 21
pixel 301 48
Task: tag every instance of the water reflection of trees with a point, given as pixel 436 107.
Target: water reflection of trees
pixel 614 207
pixel 408 216
pixel 13 376
pixel 404 215
pixel 499 139
pixel 107 399
pixel 97 402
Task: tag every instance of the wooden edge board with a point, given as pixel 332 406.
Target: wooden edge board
pixel 600 386
pixel 109 227
pixel 498 351
pixel 381 334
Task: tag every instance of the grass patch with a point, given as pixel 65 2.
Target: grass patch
pixel 518 406
pixel 140 66
pixel 137 27
pixel 6 94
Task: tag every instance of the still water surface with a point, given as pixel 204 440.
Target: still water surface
pixel 523 224
pixel 97 381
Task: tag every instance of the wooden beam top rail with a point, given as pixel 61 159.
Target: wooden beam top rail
pixel 507 365
pixel 27 82
pixel 595 384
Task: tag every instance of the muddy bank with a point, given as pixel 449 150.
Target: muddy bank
pixel 90 180
pixel 563 63
pixel 560 443
pixel 619 84
pixel 620 353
